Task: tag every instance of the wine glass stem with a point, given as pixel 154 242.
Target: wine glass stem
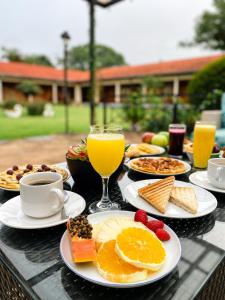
pixel 105 201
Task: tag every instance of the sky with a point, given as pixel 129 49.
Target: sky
pixel 144 31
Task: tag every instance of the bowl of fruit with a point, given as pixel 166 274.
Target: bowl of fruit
pixel 188 149
pixel 80 167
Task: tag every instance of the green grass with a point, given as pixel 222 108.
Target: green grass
pixel 37 125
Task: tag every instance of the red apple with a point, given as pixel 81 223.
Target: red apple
pixel 147 137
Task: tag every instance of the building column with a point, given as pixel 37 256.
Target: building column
pixel 176 89
pixel 117 92
pixel 77 94
pixel 1 91
pixel 54 93
pixel 144 91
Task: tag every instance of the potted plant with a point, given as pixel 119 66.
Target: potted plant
pixel 80 167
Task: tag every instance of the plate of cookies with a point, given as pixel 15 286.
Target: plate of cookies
pixel 170 198
pixel 9 179
pixel 163 166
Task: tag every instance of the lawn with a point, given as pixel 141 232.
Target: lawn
pixel 37 125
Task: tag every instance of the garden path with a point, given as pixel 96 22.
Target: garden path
pixel 38 150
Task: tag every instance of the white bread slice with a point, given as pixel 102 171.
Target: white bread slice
pixel 158 193
pixel 185 198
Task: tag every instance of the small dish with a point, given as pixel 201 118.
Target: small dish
pixel 11 214
pixel 200 178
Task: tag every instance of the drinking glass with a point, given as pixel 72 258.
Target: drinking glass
pixel 105 147
pixel 176 139
pixel 204 139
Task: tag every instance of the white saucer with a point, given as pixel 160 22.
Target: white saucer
pixel 206 201
pixel 12 215
pixel 200 178
pixel 89 272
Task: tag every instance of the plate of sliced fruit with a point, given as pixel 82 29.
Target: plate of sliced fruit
pixel 120 249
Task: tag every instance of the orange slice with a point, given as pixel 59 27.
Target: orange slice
pixel 113 268
pixel 141 248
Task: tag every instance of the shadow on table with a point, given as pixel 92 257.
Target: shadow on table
pixel 39 246
pixel 78 288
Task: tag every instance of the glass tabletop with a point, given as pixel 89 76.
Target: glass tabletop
pixel 33 256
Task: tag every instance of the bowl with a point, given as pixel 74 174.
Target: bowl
pixel 82 172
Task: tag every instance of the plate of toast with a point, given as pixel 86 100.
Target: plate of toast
pixel 163 166
pixel 143 149
pixel 170 198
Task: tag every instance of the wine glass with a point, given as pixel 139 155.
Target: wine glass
pixel 105 147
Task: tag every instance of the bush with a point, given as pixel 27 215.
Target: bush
pixel 202 86
pixel 35 109
pixel 133 109
pixel 188 115
pixel 9 104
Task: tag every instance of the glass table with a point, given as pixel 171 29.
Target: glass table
pixel 32 268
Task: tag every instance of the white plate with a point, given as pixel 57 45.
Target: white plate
pixel 89 272
pixel 12 215
pixel 161 150
pixel 200 178
pixel 187 168
pixel 17 190
pixel 206 201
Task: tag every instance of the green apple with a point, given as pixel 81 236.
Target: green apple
pixel 159 140
pixel 165 133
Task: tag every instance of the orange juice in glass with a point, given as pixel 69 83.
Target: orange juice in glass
pixel 204 139
pixel 105 147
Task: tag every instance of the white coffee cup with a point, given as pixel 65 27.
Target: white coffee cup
pixel 216 172
pixel 41 194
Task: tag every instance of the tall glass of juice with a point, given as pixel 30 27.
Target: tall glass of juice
pixel 105 147
pixel 204 139
pixel 176 139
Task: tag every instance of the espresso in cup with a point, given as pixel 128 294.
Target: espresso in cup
pixel 41 194
pixel 216 172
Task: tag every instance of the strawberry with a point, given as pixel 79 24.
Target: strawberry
pixel 141 216
pixel 155 224
pixel 162 234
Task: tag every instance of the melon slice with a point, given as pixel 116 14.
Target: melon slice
pixel 82 250
pixel 111 227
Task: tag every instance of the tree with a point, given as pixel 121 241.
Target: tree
pixel 78 57
pixel 29 88
pixel 210 28
pixel 11 54
pixel 37 60
pixel 206 86
pixel 15 55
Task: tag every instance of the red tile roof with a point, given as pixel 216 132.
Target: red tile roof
pixel 183 66
pixel 21 70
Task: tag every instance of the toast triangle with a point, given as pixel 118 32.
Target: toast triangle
pixel 158 193
pixel 185 198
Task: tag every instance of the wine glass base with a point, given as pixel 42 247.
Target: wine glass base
pixel 94 207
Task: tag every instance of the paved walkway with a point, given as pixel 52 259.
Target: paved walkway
pixel 40 150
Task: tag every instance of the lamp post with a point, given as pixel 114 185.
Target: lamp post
pixel 92 64
pixel 65 37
